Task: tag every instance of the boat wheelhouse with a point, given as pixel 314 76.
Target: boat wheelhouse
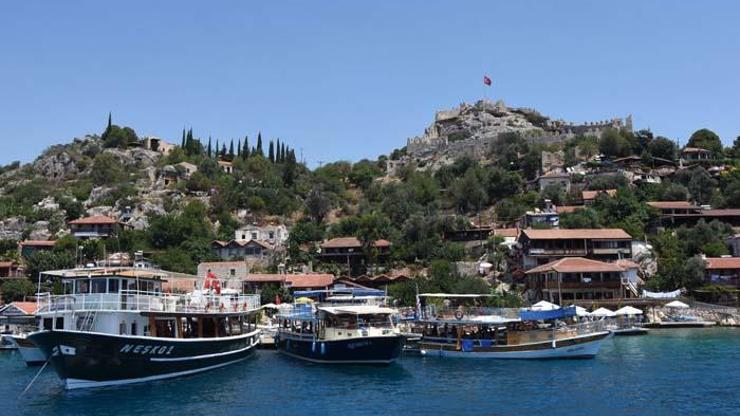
pixel 351 334
pixel 501 333
pixel 117 326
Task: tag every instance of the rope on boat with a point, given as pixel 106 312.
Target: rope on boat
pixel 34 378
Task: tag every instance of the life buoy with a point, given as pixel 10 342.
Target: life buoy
pixel 458 314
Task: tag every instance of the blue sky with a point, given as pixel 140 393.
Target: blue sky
pixel 348 80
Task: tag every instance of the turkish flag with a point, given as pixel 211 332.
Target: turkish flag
pixel 486 80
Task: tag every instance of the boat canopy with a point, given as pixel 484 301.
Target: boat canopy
pixel 344 291
pixel 546 315
pixel 581 311
pixel 356 310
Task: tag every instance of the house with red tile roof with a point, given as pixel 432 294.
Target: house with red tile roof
pixel 722 270
pixel 349 251
pixel 541 246
pixel 254 282
pixel 590 196
pixel 96 226
pixel 28 247
pixel 573 279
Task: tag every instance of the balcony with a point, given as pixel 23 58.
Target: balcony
pixel 609 284
pixel 557 252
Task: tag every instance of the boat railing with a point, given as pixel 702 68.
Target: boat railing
pixel 136 300
pixel 525 335
pixel 468 313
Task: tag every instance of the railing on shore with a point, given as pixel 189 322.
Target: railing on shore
pixel 136 300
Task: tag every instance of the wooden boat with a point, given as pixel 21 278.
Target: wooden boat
pixel 31 354
pixel 495 333
pixel 352 334
pixel 115 326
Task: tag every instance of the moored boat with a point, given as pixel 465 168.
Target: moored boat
pixel 31 354
pixel 116 326
pixel 497 333
pixel 352 334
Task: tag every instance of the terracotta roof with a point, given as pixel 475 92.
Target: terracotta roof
pixel 627 264
pixel 6 264
pixel 577 233
pixel 576 265
pixel 224 163
pixel 309 280
pixel 38 243
pixel 29 308
pixel 717 263
pixel 95 219
pixel 564 209
pixel 507 232
pixel 733 212
pixel 351 242
pixel 671 204
pixel 242 243
pixel 223 263
pixel 589 195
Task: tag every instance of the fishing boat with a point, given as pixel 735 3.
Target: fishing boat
pixel 498 333
pixel 117 326
pixel 629 322
pixel 350 334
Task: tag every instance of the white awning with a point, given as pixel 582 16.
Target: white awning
pixel 544 305
pixel 581 311
pixel 676 304
pixel 602 312
pixel 628 310
pixel 357 310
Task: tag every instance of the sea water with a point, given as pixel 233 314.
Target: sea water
pixel 669 372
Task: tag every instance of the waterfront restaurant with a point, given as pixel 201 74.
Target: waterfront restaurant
pixel 577 279
pixel 544 246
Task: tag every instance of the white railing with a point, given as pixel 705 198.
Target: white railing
pixel 432 312
pixel 134 300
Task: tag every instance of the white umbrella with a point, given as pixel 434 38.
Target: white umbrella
pixel 544 305
pixel 628 310
pixel 676 304
pixel 269 306
pixel 581 311
pixel 601 313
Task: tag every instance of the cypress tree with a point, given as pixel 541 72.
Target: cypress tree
pixel 277 150
pixel 182 144
pixel 259 145
pixel 223 150
pixel 231 149
pixel 209 146
pixel 245 151
pixel 239 148
pixel 271 152
pixel 282 153
pixel 110 121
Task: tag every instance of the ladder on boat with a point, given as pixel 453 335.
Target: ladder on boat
pixel 86 322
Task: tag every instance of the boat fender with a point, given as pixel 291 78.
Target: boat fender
pixel 313 346
pixel 221 308
pixel 245 306
pixel 458 314
pixel 323 348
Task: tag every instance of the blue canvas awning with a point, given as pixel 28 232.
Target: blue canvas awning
pixel 548 315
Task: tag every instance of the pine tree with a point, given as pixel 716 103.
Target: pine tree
pixel 245 151
pixel 259 145
pixel 271 152
pixel 209 147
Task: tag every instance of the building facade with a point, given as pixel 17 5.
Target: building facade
pixel 540 247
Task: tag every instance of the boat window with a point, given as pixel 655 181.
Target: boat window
pixel 122 328
pixel 98 285
pixel 67 287
pixel 133 328
pixel 82 286
pixel 48 323
pixel 112 285
pixel 59 324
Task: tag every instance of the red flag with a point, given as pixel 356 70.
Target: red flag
pixel 277 299
pixel 486 80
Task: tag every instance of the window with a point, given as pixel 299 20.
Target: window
pixel 112 285
pixel 272 235
pixel 232 272
pixel 133 328
pixel 254 235
pixel 244 236
pixel 98 286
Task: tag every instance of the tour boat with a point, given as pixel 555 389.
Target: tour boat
pixel 497 333
pixel 116 326
pixel 351 334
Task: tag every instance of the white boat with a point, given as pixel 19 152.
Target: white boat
pixel 497 333
pixel 30 353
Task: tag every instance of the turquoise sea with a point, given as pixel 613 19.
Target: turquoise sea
pixel 669 372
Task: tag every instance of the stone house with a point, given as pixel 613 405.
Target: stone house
pixel 276 235
pixel 226 166
pixel 561 179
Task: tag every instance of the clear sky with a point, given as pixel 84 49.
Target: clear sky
pixel 351 79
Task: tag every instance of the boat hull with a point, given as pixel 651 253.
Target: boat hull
pixel 365 350
pixel 634 331
pixel 577 347
pixel 87 359
pixel 31 354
